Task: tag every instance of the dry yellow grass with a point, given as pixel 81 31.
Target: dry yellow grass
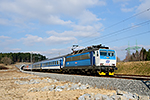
pixel 134 68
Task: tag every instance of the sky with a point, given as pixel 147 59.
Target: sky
pixel 52 27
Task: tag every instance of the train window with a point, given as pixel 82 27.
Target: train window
pixel 97 54
pixel 69 59
pixel 86 56
pixel 72 58
pixel 103 53
pixel 111 53
pixel 58 62
pixel 51 63
pixel 75 58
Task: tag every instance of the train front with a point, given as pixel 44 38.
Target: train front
pixel 106 59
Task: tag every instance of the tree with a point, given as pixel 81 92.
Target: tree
pixel 22 57
pixel 133 57
pixel 6 60
pixel 143 54
pixel 118 59
pixel 127 57
pixel 148 55
pixel 137 56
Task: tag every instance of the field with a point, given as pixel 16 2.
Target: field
pixel 133 68
pixel 15 85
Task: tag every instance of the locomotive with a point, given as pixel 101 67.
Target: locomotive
pixel 95 59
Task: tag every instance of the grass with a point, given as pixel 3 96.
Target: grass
pixel 133 68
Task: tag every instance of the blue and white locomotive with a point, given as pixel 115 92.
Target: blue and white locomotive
pixel 94 59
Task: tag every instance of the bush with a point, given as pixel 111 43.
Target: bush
pixel 2 67
pixel 6 60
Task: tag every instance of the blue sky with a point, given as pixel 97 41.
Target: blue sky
pixel 51 27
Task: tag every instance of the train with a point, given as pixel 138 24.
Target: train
pixel 96 59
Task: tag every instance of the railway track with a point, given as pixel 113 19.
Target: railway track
pixel 122 76
pixel 145 79
pixel 135 77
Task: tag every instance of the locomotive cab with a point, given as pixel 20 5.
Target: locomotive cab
pixel 106 59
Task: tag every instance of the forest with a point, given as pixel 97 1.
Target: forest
pixel 11 58
pixel 141 55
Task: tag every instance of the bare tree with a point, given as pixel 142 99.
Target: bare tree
pixel 6 60
pixel 118 59
pixel 143 54
pixel 127 58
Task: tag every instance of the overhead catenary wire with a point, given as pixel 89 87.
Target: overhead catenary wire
pixel 148 9
pixel 115 40
pixel 117 32
pixel 128 18
pixel 128 36
pixel 117 24
pixel 122 21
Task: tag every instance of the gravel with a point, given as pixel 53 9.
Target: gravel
pixel 130 86
pixel 34 81
pixel 66 87
pixel 106 97
pixel 119 95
